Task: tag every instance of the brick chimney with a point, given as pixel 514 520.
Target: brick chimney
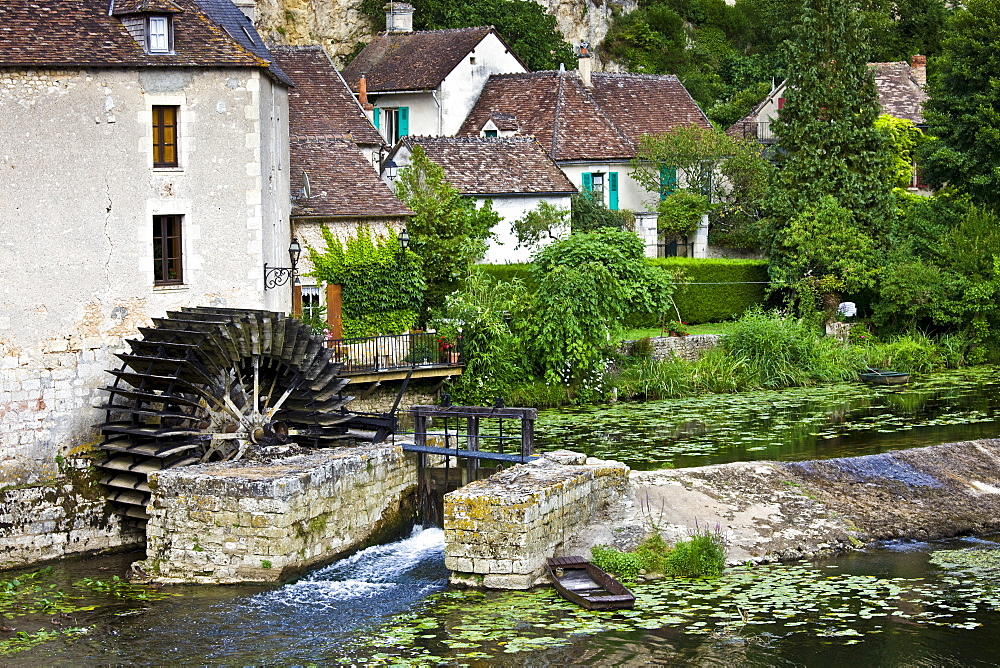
pixel 585 65
pixel 363 94
pixel 398 17
pixel 918 70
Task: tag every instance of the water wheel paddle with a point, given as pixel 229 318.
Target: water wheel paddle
pixel 208 384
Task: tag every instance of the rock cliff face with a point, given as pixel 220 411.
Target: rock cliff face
pixel 338 24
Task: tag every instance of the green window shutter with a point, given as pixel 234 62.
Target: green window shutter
pixel 613 191
pixel 588 182
pixel 377 118
pixel 404 121
pixel 668 181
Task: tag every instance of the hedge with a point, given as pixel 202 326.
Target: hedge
pixel 745 283
pixel 697 303
pixel 508 272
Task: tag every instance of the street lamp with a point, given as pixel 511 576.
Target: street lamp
pixel 275 276
pixel 404 243
pixel 391 169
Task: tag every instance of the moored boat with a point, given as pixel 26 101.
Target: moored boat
pixel 583 583
pixel 883 377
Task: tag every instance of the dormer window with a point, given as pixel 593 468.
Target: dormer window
pixel 158 35
pixel 150 22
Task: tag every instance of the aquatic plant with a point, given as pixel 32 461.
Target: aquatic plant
pixel 703 555
pixel 913 353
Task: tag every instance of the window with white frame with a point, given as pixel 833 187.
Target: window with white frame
pixel 158 34
pixel 312 307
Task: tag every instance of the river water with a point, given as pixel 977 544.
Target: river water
pixel 910 604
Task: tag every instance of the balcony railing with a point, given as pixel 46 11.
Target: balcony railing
pixel 759 130
pixel 390 353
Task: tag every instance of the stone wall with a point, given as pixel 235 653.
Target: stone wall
pixel 687 348
pixel 64 514
pixel 499 531
pixel 263 522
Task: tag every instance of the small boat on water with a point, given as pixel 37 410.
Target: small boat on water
pixel 883 377
pixel 583 583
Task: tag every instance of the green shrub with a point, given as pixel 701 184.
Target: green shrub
pixel 701 556
pixel 653 553
pixel 624 565
pixel 780 351
pixel 374 324
pixel 911 353
pixel 506 273
pixel 744 285
pixel 646 378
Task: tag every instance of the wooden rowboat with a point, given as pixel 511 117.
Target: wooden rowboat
pixel 583 583
pixel 883 377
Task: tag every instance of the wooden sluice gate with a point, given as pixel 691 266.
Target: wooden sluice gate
pixel 479 435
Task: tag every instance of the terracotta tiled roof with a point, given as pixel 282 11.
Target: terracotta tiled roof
pixel 576 123
pixel 342 183
pixel 481 166
pixel 121 7
pixel 505 122
pixel 320 103
pixel 80 33
pixel 412 61
pixel 898 93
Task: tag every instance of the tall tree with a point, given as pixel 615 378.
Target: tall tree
pixel 531 33
pixel 448 233
pixel 963 111
pixel 831 154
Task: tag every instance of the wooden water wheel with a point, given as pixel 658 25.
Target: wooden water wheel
pixel 207 384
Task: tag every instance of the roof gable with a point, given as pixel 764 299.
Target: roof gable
pixel 573 122
pixel 413 61
pixel 899 94
pixel 81 33
pixel 342 183
pixel 494 166
pixel 321 103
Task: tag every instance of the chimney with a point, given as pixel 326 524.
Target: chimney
pixel 363 94
pixel 249 9
pixel 398 17
pixel 918 70
pixel 585 64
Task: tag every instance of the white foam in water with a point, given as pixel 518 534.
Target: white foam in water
pixel 367 574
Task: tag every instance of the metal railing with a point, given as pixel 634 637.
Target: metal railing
pixel 403 351
pixel 759 130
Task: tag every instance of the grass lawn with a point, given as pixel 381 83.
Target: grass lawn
pixel 707 328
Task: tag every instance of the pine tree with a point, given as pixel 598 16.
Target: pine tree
pixel 963 111
pixel 830 151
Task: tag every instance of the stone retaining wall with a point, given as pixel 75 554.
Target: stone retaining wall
pixel 63 515
pixel 499 531
pixel 254 522
pixel 687 348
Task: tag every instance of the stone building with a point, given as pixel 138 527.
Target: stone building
pixel 144 153
pixel 334 157
pixel 589 123
pixel 514 174
pixel 425 82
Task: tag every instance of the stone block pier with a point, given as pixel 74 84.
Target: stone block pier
pixel 499 531
pixel 249 521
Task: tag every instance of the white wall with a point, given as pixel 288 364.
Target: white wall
pixel 423 112
pixel 503 247
pixel 462 87
pixel 76 250
pixel 631 195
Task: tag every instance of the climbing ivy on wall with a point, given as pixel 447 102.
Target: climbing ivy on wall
pixel 381 289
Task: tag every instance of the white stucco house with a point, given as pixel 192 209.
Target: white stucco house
pixel 589 124
pixel 425 82
pixel 514 174
pixel 144 153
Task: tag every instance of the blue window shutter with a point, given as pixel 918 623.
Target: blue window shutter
pixel 404 121
pixel 377 118
pixel 668 181
pixel 613 191
pixel 588 182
